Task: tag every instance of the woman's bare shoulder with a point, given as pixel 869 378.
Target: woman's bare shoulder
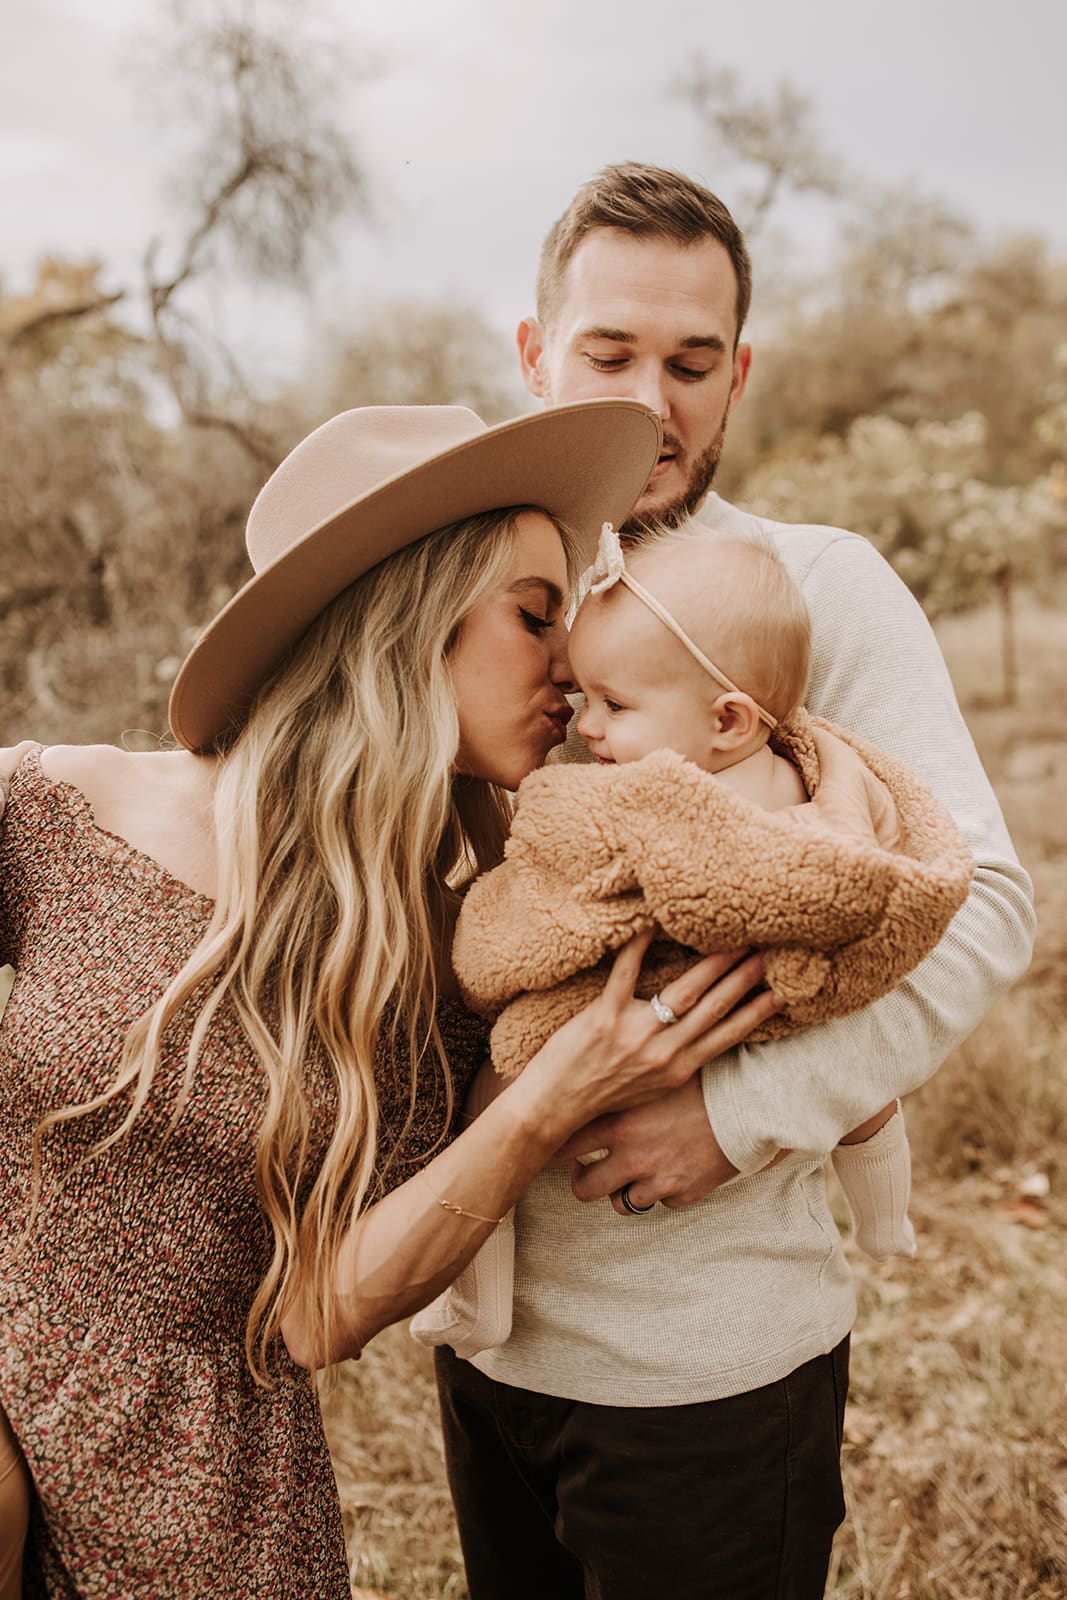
pixel 83 764
pixel 89 767
pixel 110 777
pixel 12 757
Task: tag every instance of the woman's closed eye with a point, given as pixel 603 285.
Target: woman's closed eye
pixel 535 623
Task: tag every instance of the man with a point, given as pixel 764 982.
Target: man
pixel 666 1417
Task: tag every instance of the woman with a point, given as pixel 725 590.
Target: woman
pixel 232 1054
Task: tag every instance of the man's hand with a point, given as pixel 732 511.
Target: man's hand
pixel 665 1150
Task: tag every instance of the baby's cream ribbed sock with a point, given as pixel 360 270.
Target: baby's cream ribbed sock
pixel 474 1313
pixel 876 1179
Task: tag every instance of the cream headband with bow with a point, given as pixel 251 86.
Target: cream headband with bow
pixel 610 569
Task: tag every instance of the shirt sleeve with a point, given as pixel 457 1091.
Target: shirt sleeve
pixel 877 669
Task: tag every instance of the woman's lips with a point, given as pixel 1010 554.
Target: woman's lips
pixel 560 718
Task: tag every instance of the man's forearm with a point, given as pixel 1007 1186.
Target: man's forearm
pixel 876 669
pixel 803 1092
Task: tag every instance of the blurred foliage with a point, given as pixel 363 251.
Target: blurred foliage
pixel 917 493
pixel 916 392
pixel 121 527
pixel 114 534
pixel 920 399
pixel 412 354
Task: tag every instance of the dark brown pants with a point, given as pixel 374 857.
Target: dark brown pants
pixel 734 1499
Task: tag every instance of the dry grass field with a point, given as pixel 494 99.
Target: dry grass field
pixel 956 1438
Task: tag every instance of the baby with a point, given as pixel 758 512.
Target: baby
pixel 698 643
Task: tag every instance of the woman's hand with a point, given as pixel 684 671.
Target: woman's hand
pixel 616 1053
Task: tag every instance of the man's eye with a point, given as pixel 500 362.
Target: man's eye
pixel 535 623
pixel 605 364
pixel 690 374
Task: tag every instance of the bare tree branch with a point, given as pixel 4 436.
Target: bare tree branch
pixel 41 320
pixel 265 99
pixel 259 446
pixel 773 137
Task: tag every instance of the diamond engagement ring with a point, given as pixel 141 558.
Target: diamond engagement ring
pixel 662 1010
pixel 635 1211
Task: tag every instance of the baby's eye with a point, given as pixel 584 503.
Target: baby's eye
pixel 611 705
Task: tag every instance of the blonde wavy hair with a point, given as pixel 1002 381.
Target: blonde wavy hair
pixel 344 834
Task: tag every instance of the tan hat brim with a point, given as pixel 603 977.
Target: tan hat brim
pixel 585 464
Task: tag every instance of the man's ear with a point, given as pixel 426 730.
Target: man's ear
pixel 742 367
pixel 531 343
pixel 734 722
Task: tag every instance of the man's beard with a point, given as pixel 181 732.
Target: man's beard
pixel 660 519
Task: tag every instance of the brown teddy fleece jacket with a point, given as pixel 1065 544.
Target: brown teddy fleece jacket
pixel 845 895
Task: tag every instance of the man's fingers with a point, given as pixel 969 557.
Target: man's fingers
pixel 594 1136
pixel 637 1200
pixel 607 1180
pixel 600 1179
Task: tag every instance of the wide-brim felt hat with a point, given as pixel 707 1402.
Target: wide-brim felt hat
pixel 373 480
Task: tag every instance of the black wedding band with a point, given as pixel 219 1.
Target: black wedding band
pixel 635 1211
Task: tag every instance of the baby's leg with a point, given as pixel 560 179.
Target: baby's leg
pixel 867 1129
pixel 873 1166
pixel 14 1511
pixel 474 1312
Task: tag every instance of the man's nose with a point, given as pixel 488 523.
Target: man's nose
pixel 650 387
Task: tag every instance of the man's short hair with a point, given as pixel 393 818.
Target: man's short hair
pixel 648 203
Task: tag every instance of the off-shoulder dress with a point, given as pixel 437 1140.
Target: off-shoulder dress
pixel 161 1468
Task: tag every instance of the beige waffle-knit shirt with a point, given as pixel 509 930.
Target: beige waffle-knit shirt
pixel 737 1290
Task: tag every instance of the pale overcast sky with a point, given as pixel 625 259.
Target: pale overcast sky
pixel 488 114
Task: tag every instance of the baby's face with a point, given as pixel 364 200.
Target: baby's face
pixel 642 692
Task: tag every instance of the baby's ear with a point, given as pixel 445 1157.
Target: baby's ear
pixel 733 721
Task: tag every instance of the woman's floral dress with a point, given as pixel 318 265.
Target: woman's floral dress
pixel 161 1469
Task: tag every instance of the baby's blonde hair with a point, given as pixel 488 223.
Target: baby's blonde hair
pixel 738 603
